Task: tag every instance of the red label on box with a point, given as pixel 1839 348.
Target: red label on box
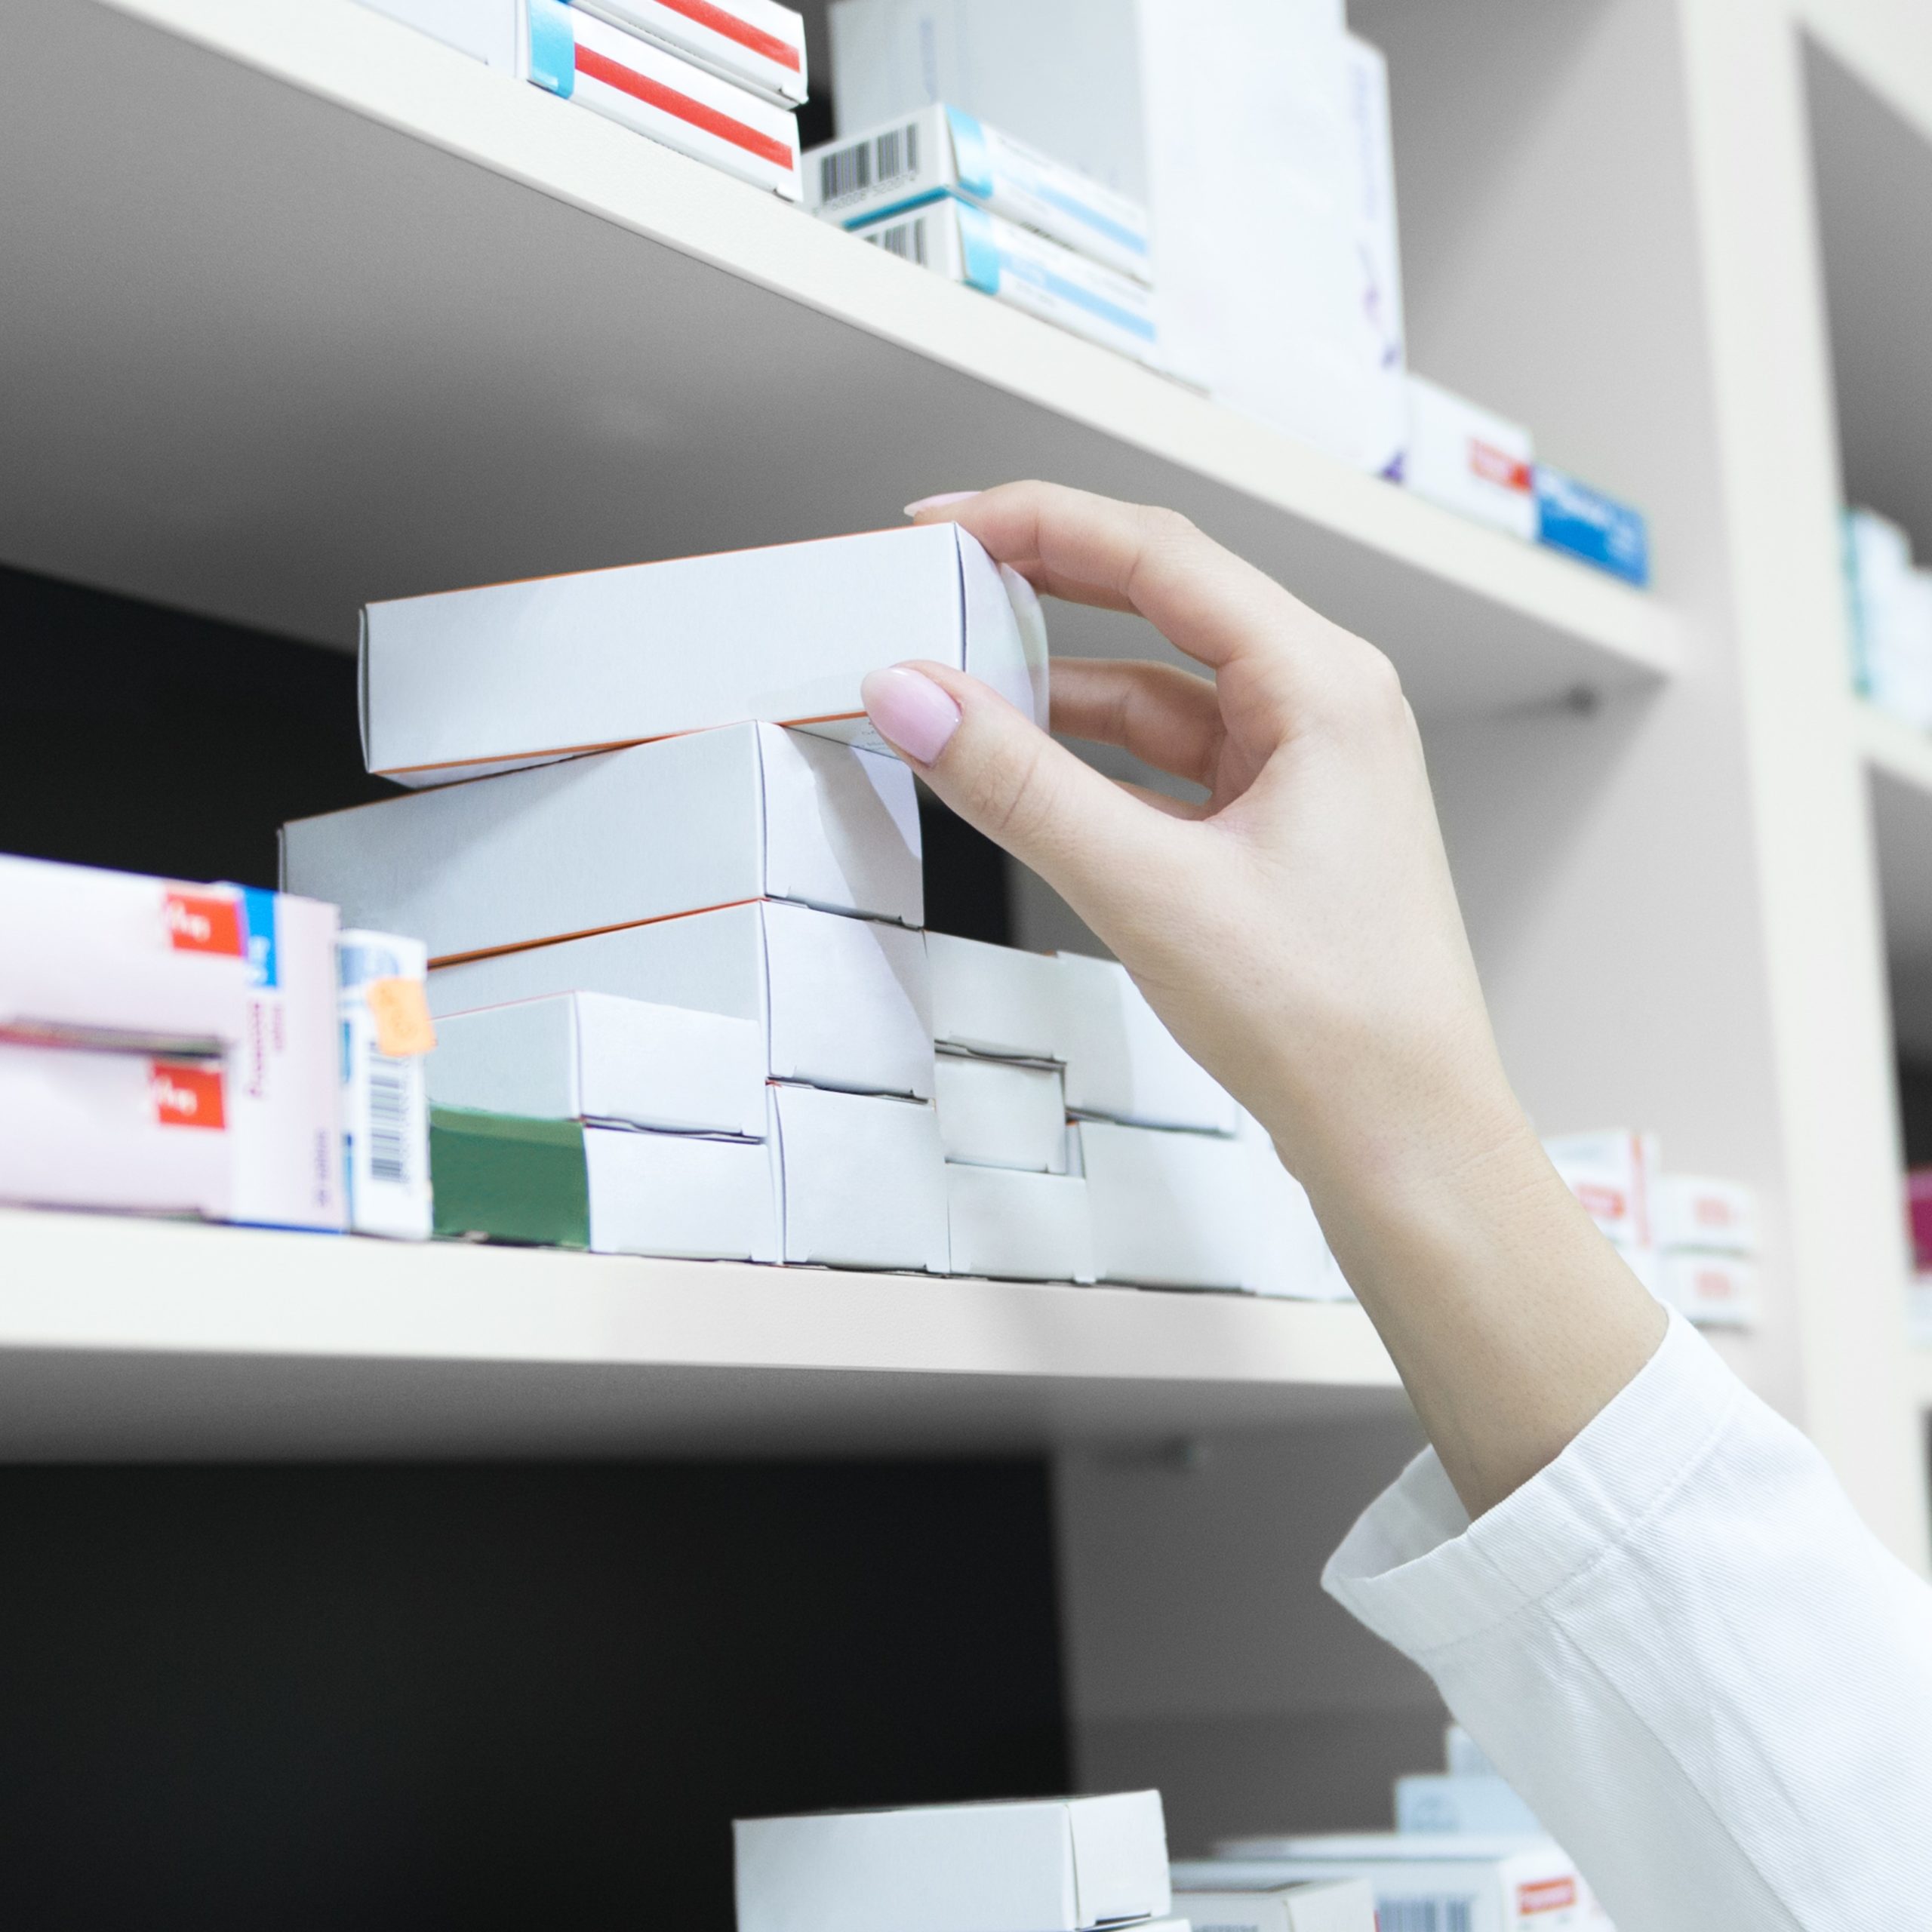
pixel 203 922
pixel 1494 467
pixel 1715 1284
pixel 1712 1213
pixel 187 1095
pixel 1603 1204
pixel 1546 1895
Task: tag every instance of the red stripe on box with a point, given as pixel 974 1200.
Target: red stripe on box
pixel 732 28
pixel 667 100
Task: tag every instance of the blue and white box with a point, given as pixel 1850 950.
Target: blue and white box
pixel 1585 524
pixel 913 160
pixel 965 243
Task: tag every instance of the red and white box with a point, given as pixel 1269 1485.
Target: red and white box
pixel 1470 459
pixel 755 44
pixel 1712 1217
pixel 583 58
pixel 1614 1174
pixel 1713 1290
pixel 88 957
pixel 1473 1882
pixel 83 1128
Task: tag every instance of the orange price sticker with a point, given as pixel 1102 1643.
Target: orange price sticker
pixel 401 1010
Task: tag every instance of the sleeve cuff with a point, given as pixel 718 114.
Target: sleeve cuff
pixel 1422 1577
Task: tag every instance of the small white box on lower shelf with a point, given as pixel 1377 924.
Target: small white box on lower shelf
pixel 1713 1290
pixel 1477 1883
pixel 997 1000
pixel 995 1113
pixel 1315 1905
pixel 1470 459
pixel 863 1181
pixel 680 1196
pixel 1040 1865
pixel 841 1002
pixel 588 1056
pixel 1019 1227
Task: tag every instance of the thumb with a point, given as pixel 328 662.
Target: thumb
pixel 1006 777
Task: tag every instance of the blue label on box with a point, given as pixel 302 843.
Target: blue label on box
pixel 971 168
pixel 258 910
pixel 1585 524
pixel 552 46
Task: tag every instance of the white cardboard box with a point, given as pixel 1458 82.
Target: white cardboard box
pixel 713 819
pixel 755 44
pixel 610 1062
pixel 82 1127
pixel 284 1075
pixel 89 956
pixel 864 1181
pixel 1318 1905
pixel 1045 1865
pixel 681 1195
pixel 966 243
pixel 1291 1259
pixel 911 160
pixel 1713 1290
pixel 385 1096
pixel 996 999
pixel 587 60
pixel 1121 1061
pixel 1019 1227
pixel 1170 1209
pixel 1231 120
pixel 1614 1174
pixel 1695 1211
pixel 996 1113
pixel 1470 459
pixel 487 30
pixel 1459 1802
pixel 469 681
pixel 1474 1883
pixel 841 1002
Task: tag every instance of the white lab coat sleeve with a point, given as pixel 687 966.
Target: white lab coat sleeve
pixel 1681 1646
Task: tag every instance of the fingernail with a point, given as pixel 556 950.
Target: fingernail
pixel 911 711
pixel 941 501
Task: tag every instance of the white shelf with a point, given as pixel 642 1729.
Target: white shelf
pixel 1898 763
pixel 302 308
pixel 123 1337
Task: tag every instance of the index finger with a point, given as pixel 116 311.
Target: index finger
pixel 1090 550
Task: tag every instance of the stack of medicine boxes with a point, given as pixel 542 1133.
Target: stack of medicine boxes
pixel 938 188
pixel 594 920
pixel 685 1004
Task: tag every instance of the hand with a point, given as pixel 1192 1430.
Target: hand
pixel 1298 931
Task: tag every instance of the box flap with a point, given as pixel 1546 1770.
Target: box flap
pixel 1004 636
pixel 842 827
pixel 1120 1857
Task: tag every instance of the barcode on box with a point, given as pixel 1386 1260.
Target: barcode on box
pixel 906 239
pixel 1429 1915
pixel 390 1138
pixel 855 170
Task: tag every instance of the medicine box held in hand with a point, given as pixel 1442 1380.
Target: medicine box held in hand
pixel 608 1062
pixel 1045 1864
pixel 840 1002
pixel 913 160
pixel 966 243
pixel 466 682
pixel 714 819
